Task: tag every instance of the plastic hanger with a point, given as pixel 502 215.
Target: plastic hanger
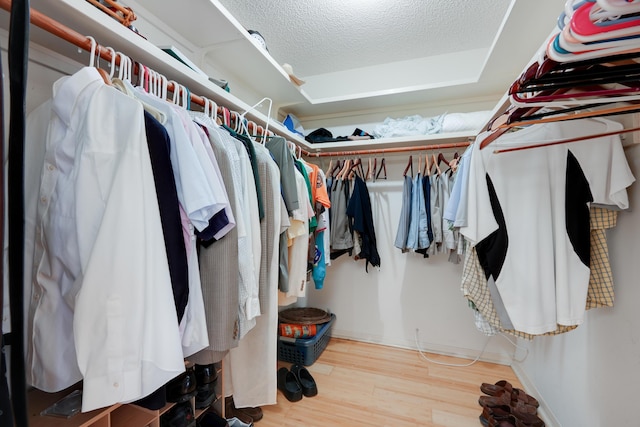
pixel 620 6
pixel 585 29
pixel 94 58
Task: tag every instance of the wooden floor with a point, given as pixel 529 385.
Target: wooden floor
pixel 362 384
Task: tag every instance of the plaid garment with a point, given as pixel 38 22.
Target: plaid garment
pixel 600 293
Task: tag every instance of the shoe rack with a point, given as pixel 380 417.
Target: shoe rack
pixel 119 415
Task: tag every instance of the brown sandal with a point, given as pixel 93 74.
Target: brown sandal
pixel 494 389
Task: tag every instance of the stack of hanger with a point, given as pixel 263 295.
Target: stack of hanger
pixel 347 169
pixel 589 68
pixel 432 164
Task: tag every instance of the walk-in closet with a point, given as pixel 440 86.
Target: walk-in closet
pixel 356 213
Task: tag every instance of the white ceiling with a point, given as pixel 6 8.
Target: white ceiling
pixel 325 36
pixel 358 55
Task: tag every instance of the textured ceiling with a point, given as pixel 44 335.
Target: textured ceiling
pixel 323 36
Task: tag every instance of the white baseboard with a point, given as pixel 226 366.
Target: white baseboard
pixel 543 411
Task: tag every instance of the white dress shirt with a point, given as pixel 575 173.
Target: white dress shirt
pixel 99 253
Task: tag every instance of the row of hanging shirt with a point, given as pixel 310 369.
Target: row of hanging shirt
pixel 151 235
pixel 352 227
pixel 424 226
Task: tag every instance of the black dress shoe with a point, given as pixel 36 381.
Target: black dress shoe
pixel 288 385
pixel 181 415
pixel 205 396
pixel 182 387
pixel 206 374
pixel 211 419
pixel 306 381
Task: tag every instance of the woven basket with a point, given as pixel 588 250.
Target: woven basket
pixel 304 316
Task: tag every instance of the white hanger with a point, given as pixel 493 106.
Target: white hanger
pixel 214 111
pixel 123 65
pixel 112 64
pixel 92 52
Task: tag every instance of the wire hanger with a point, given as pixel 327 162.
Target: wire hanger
pixel 253 107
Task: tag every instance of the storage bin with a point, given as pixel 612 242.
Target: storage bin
pixel 305 351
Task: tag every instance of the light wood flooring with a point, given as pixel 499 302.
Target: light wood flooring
pixel 362 384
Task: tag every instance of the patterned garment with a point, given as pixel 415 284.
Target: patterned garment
pixel 600 293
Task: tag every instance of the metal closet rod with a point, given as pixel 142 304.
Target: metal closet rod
pixel 387 150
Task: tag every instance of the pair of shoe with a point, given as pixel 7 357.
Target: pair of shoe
pixel 183 387
pixel 181 415
pixel 211 419
pixel 506 416
pixel 507 406
pixel 206 378
pixel 247 415
pixel 505 386
pixel 296 382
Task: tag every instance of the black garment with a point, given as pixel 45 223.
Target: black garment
pixel 577 196
pixel 18 64
pixel 324 135
pixel 159 148
pixel 359 210
pixel 492 250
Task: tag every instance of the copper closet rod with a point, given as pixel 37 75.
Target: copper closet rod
pixel 54 27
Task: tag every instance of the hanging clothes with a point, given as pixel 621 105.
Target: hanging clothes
pixel 436 214
pixel 568 178
pixel 91 323
pixel 253 378
pixel 418 238
pixel 359 211
pixel 341 236
pixel 402 233
pixel 219 261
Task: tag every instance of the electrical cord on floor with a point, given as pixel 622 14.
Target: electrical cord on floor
pixel 517 347
pixel 464 365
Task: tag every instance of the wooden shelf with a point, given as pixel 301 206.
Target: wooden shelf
pixel 131 415
pixel 39 400
pixel 384 143
pixel 207 25
pixel 84 18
